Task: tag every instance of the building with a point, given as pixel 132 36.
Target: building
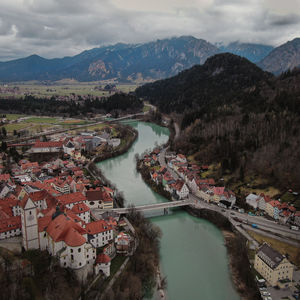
pixel 272 209
pixel 99 233
pixel 273 266
pixel 102 264
pixel 252 200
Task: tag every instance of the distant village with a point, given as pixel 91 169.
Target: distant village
pixel 48 202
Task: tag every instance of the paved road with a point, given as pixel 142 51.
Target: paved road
pixel 264 225
pixel 162 162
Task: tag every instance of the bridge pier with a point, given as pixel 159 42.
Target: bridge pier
pixel 166 211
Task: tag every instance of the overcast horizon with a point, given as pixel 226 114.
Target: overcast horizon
pixel 59 28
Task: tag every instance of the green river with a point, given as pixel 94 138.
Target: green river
pixel 193 255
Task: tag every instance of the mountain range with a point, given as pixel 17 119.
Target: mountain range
pixel 145 62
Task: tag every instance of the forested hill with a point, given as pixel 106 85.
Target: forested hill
pixel 221 80
pixel 233 113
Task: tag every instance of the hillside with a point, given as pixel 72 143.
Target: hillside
pixel 283 58
pixel 219 81
pixel 233 113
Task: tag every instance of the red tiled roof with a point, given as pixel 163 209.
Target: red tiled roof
pixel 63 228
pixel 80 208
pixel 43 223
pixel 5 177
pixel 274 203
pixel 39 144
pixel 218 190
pixel 97 227
pixel 102 259
pixel 71 198
pixel 10 224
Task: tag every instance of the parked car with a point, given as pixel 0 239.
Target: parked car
pixel 293 227
pixel 266 293
pixel 254 225
pixel 262 289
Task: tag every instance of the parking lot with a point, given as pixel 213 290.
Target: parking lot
pixel 278 294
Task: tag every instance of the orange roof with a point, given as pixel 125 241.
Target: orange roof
pixel 218 190
pixel 10 224
pixel 39 144
pixel 274 203
pixel 102 259
pixel 71 198
pixel 4 177
pixel 97 227
pixel 62 228
pixel 80 208
pixel 43 223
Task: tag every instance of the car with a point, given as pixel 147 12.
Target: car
pixel 262 289
pixel 223 210
pixel 268 298
pixel 266 293
pixel 232 213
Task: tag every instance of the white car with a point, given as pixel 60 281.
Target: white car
pixel 266 293
pixel 268 298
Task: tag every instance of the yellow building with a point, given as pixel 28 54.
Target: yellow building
pixel 273 266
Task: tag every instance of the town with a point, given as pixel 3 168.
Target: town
pixel 275 274
pixel 47 201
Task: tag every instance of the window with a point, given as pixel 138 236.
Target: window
pixel 65 264
pixel 79 264
pixel 79 250
pixel 87 256
pixel 71 250
pixel 72 257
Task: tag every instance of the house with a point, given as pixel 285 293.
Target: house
pixel 252 200
pixel 102 263
pixel 47 147
pixel 100 233
pixel 218 192
pixel 69 147
pixel 262 201
pixel 82 211
pixel 180 189
pixel 99 198
pixel 297 218
pixel 273 208
pixel 273 266
pixel 123 243
pixel 181 158
pixel 10 227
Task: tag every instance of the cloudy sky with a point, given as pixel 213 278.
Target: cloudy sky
pixel 57 28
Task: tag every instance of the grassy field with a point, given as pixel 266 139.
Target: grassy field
pixel 64 89
pixel 12 117
pixel 283 248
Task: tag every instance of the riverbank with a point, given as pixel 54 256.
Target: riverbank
pixel 235 243
pixel 239 264
pixel 129 136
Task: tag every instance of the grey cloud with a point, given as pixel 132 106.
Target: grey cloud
pixel 56 28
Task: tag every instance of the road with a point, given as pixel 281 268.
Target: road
pixel 162 162
pixel 265 227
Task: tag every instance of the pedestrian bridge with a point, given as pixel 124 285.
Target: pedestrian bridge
pixel 150 207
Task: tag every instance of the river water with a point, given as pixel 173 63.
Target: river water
pixel 193 255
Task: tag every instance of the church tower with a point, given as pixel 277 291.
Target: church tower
pixel 29 220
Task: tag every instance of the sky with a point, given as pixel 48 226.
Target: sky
pixel 58 28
